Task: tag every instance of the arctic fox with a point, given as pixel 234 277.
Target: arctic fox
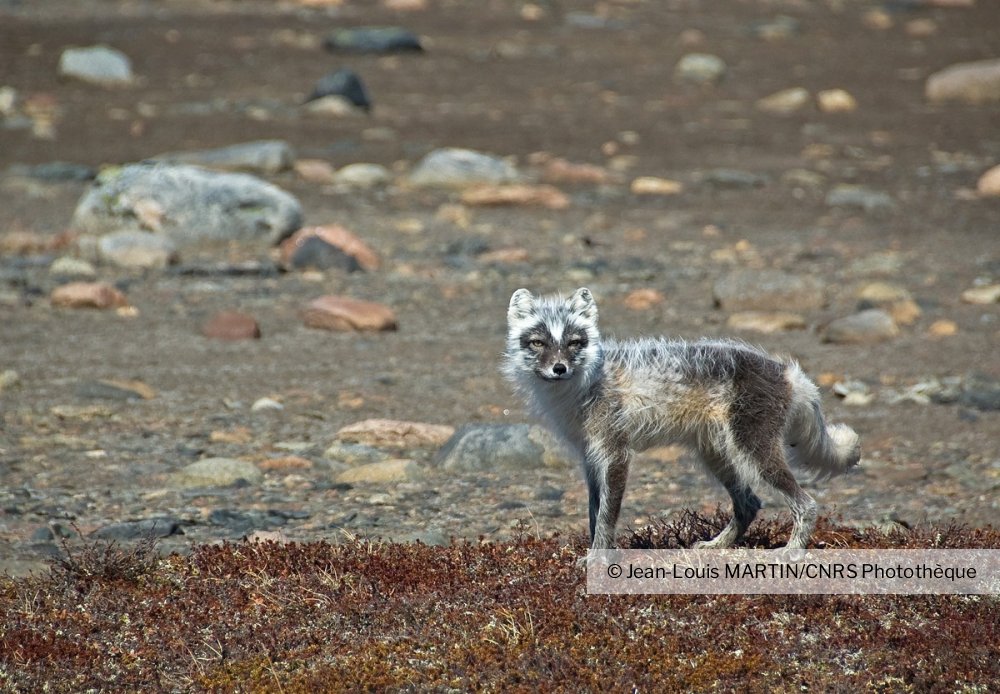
pixel 746 413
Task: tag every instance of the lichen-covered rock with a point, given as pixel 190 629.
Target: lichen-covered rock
pixel 187 204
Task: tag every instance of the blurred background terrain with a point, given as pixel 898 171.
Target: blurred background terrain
pixel 814 176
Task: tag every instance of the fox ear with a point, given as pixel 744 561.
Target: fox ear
pixel 582 302
pixel 522 304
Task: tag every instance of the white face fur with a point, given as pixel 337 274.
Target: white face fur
pixel 551 337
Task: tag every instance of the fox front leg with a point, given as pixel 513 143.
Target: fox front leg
pixel 606 469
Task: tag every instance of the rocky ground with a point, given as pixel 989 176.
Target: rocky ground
pixel 735 193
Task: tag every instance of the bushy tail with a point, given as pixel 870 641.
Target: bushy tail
pixel 827 449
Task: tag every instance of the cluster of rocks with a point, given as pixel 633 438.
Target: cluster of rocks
pixel 144 216
pixel 770 301
pixel 976 82
pixel 972 391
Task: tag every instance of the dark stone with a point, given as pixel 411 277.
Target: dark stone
pixel 373 40
pixel 734 179
pixel 242 522
pixel 43 534
pixel 47 550
pixel 467 246
pixel 105 390
pixel 140 529
pixel 550 494
pixel 344 83
pixel 981 392
pixel 62 530
pixel 57 171
pixel 316 253
pixel 251 268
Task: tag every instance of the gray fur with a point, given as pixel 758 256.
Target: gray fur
pixel 746 413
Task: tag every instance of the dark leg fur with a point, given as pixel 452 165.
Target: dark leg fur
pixel 607 473
pixel 594 487
pixel 745 502
pixel 774 470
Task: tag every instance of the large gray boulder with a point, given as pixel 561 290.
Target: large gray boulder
pixel 187 204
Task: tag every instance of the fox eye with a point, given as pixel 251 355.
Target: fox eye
pixel 575 343
pixel 536 344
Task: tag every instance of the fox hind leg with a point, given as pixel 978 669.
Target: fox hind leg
pixel 775 471
pixel 745 502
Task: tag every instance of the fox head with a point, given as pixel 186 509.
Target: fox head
pixel 553 338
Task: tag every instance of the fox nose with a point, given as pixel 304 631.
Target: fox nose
pixel 558 368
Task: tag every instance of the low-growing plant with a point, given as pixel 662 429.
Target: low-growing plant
pixel 474 616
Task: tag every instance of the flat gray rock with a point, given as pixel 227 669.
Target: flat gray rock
pixel 373 39
pixel 975 83
pixel 733 179
pixel 872 325
pixel 262 156
pixel 456 168
pixel 101 65
pixel 498 447
pixel 187 204
pixel 871 201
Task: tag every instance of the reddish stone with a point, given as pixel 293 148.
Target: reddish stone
pixel 231 325
pixel 344 313
pixel 315 170
pixel 289 462
pixel 517 194
pixel 643 299
pixel 392 433
pixel 562 171
pixel 505 255
pixel 23 243
pixel 88 295
pixel 336 236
